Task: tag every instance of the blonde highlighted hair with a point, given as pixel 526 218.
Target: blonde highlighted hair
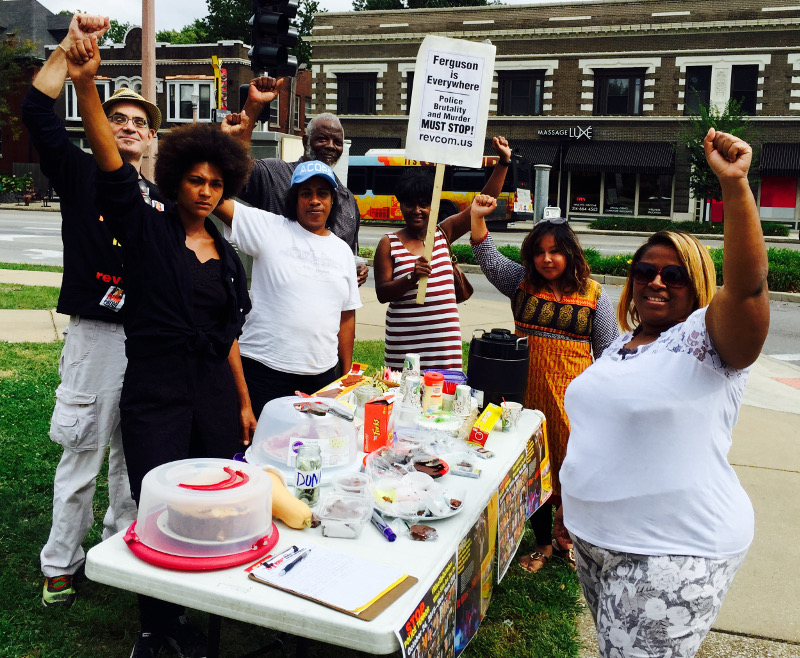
pixel 692 255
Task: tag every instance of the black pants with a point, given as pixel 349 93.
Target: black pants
pixel 265 384
pixel 175 406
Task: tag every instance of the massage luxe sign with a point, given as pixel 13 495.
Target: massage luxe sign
pixel 450 101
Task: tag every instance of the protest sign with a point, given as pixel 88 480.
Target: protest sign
pixel 450 101
pixel 449 107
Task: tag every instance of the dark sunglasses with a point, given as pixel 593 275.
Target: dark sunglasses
pixel 674 276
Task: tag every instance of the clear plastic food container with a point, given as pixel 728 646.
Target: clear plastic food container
pixel 282 428
pixel 343 515
pixel 204 507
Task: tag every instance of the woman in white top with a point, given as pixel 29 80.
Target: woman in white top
pixel 304 290
pixel 659 521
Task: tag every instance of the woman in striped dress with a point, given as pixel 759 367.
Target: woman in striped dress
pixel 432 329
pixel 569 321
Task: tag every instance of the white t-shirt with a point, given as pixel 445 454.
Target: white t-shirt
pixel 646 469
pixel 301 284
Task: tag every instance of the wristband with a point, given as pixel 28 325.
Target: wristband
pixel 61 45
pixel 504 163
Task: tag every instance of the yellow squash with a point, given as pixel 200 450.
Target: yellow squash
pixel 292 511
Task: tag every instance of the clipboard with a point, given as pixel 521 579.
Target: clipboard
pixel 366 611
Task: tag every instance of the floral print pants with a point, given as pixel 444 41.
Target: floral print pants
pixel 648 606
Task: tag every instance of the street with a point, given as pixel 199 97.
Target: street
pixel 35 237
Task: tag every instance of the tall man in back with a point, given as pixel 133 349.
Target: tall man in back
pixel 85 420
pixel 271 177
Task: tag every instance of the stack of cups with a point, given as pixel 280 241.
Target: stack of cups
pixel 410 367
pixel 462 402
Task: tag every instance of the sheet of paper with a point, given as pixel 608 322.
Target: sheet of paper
pixel 335 578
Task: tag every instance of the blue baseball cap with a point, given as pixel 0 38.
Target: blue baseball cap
pixel 311 168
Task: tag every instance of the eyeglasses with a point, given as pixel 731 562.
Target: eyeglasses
pixel 674 276
pixel 553 220
pixel 122 120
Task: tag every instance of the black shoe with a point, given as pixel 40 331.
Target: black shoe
pixel 147 646
pixel 185 639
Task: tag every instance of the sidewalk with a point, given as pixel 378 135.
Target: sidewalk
pixel 761 615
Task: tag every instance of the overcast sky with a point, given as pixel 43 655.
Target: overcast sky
pixel 174 14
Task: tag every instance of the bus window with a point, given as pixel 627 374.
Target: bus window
pixel 385 179
pixel 357 179
pixel 466 180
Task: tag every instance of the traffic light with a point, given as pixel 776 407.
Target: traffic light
pixel 273 36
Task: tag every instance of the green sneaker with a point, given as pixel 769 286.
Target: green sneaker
pixel 58 591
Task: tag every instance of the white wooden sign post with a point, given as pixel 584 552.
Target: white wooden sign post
pixel 449 109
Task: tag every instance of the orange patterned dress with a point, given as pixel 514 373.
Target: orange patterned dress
pixel 559 349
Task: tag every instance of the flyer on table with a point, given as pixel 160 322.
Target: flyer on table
pixel 476 557
pixel 450 101
pixel 430 630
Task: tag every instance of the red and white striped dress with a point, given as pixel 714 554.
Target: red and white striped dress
pixel 432 329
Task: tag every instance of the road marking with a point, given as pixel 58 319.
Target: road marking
pixel 785 357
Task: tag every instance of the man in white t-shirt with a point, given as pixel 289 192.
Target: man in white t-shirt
pixel 304 289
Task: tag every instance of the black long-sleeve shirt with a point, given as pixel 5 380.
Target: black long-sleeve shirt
pixel 92 258
pixel 159 302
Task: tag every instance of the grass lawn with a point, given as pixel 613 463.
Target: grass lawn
pixel 31 266
pixel 530 616
pixel 15 296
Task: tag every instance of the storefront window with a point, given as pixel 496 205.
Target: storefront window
pixel 584 192
pixel 655 195
pixel 620 194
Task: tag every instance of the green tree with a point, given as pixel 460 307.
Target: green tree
pixel 702 181
pixel 15 56
pixel 229 20
pixel 116 32
pixel 196 32
pixel 383 5
pixel 377 5
pixel 304 24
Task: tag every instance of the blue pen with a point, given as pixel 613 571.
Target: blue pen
pixel 380 524
pixel 300 557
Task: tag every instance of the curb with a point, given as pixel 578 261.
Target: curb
pixel 700 236
pixel 53 207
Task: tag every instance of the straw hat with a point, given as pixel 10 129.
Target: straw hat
pixel 125 95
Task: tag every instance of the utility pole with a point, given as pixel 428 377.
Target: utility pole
pixel 149 76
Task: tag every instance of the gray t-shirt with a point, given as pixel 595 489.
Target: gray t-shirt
pixel 271 179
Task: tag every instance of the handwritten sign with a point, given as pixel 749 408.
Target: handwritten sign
pixel 450 101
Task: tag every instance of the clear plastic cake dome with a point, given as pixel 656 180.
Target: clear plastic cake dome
pixel 283 427
pixel 204 507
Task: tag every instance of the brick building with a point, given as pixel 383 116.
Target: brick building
pixel 23 20
pixel 184 74
pixel 599 90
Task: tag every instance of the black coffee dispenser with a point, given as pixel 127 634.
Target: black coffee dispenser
pixel 498 366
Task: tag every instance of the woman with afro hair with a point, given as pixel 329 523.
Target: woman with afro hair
pixel 185 298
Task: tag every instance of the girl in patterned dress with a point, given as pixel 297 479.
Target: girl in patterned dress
pixel 432 329
pixel 568 320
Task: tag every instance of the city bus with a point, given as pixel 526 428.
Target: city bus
pixel 372 178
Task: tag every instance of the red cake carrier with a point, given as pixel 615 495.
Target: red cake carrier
pixel 201 514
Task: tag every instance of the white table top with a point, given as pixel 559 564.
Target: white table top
pixel 230 593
